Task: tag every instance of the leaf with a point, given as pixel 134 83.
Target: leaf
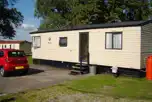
pixel 10 18
pixel 63 13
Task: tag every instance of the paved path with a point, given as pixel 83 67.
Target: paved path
pixel 38 77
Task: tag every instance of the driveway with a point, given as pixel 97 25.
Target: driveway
pixel 38 77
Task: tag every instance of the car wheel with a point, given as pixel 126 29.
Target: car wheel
pixel 2 72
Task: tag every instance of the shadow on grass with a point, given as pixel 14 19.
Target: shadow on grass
pixel 8 99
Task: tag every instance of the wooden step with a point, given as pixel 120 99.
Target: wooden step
pixel 84 65
pixel 79 71
pixel 76 72
pixel 76 67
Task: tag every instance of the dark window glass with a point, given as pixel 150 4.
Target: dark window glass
pixel 16 54
pixel 113 40
pixel 63 42
pixel 1 53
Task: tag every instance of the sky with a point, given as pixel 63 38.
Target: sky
pixel 30 23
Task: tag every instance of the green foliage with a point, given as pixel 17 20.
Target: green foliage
pixel 30 60
pixel 63 13
pixel 10 18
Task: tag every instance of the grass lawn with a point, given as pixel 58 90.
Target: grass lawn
pixel 30 59
pixel 101 88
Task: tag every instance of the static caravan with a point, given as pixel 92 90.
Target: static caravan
pixel 16 44
pixel 122 44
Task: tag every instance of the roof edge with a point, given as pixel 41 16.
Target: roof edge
pixel 97 26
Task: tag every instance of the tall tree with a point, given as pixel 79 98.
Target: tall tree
pixel 10 18
pixel 63 13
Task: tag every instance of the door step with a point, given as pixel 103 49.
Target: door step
pixel 83 64
pixel 78 69
pixel 77 72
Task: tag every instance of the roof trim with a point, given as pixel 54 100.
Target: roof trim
pixel 13 41
pixel 97 26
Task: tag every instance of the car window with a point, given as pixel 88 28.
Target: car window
pixel 1 53
pixel 16 54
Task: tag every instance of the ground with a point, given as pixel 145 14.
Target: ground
pixel 56 85
pixel 99 88
pixel 38 76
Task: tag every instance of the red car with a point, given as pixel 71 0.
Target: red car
pixel 12 60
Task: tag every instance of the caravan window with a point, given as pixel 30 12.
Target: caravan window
pixel 113 40
pixel 36 41
pixel 63 42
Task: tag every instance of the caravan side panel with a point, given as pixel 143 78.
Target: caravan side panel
pixel 26 46
pixel 128 57
pixel 146 43
pixel 51 50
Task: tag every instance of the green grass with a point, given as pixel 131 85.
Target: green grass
pixel 101 86
pixel 116 87
pixel 40 95
pixel 30 59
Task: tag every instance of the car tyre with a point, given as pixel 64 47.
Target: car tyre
pixel 3 72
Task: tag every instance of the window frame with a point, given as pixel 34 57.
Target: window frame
pixel 33 41
pixel 114 33
pixel 66 41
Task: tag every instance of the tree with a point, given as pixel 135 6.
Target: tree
pixel 63 13
pixel 10 18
